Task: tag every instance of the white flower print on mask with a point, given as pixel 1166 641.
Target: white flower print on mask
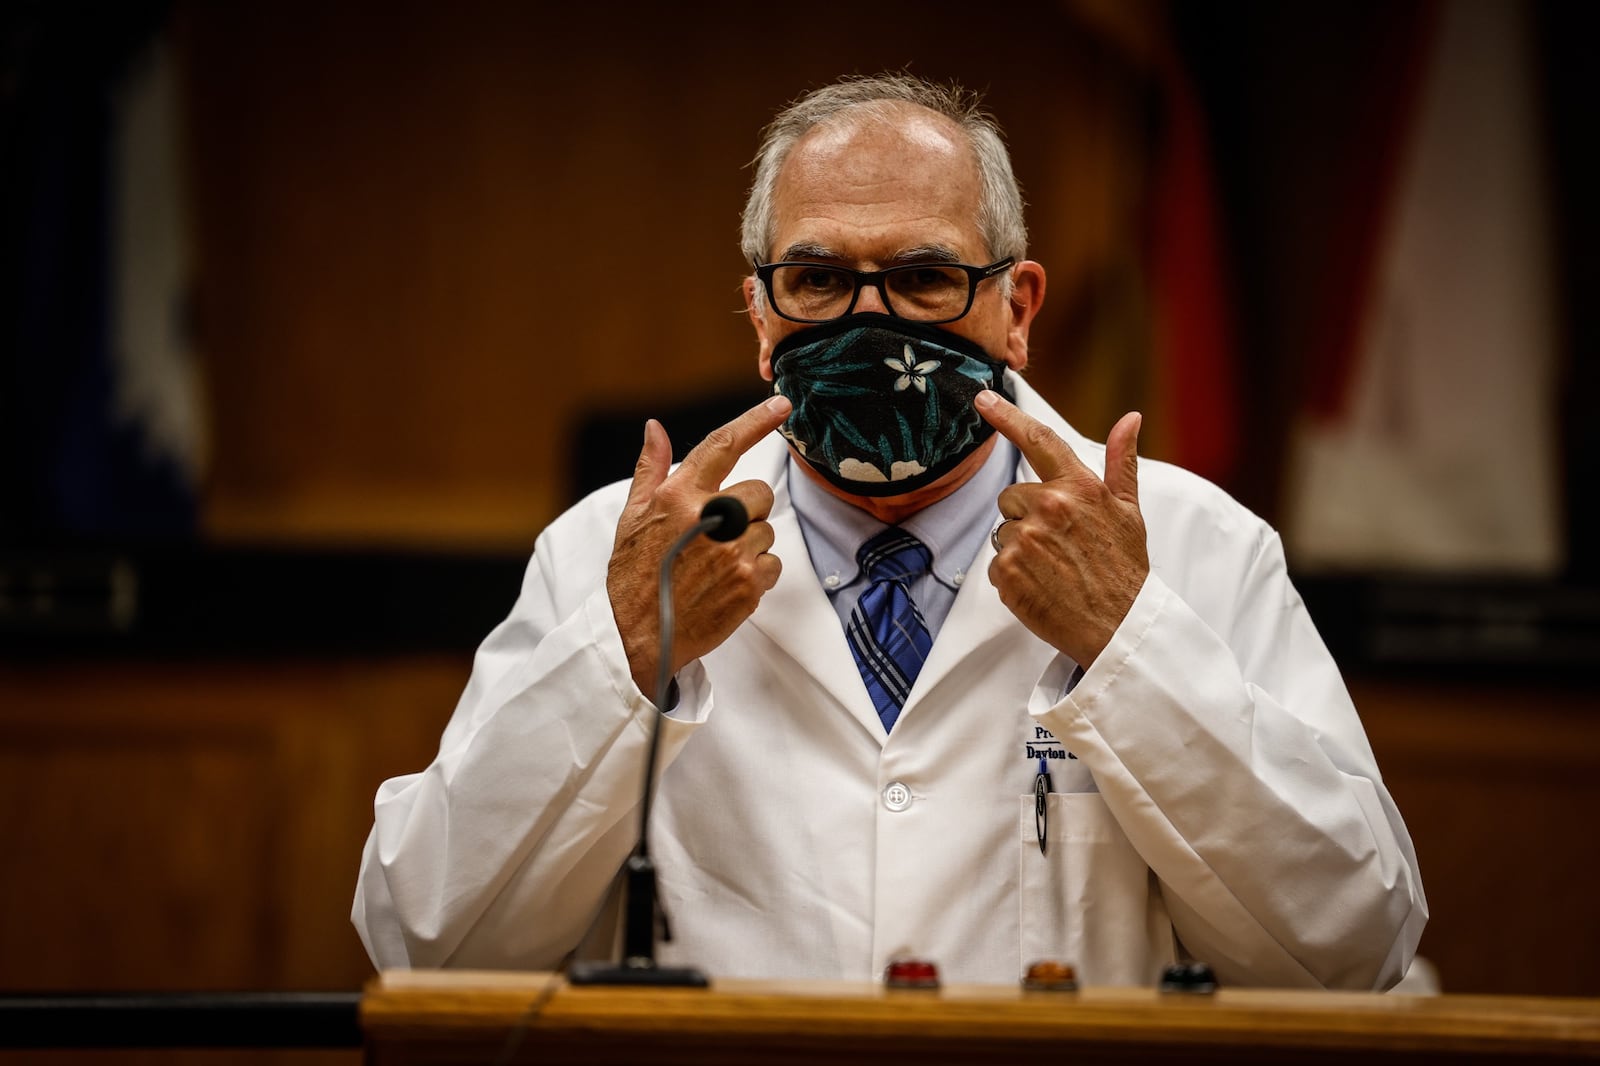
pixel 911 372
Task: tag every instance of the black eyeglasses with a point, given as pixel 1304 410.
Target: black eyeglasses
pixel 922 292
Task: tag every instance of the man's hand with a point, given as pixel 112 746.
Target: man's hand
pixel 1072 547
pixel 716 586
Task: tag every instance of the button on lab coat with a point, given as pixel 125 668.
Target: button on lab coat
pixel 1215 795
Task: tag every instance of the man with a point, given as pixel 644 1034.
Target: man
pixel 1081 716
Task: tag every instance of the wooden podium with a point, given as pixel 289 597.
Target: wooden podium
pixel 417 1017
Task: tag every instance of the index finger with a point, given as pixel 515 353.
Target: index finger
pixel 710 462
pixel 1049 455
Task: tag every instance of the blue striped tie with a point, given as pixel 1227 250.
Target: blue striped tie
pixel 886 631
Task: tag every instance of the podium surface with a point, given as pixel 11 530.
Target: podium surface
pixel 418 1017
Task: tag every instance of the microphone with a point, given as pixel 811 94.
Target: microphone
pixel 723 518
pixel 733 519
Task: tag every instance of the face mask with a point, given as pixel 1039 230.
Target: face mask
pixel 883 406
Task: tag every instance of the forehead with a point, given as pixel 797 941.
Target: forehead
pixel 868 186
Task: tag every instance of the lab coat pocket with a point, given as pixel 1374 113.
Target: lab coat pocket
pixel 1089 900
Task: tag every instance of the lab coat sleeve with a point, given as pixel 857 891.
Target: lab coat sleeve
pixel 500 853
pixel 1229 752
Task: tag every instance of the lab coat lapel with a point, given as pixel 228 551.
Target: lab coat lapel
pixel 796 614
pixel 978 617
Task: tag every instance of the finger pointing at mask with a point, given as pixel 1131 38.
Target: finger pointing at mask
pixel 1071 552
pixel 716 585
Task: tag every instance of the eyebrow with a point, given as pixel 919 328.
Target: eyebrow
pixel 927 253
pixel 810 253
pixel 816 253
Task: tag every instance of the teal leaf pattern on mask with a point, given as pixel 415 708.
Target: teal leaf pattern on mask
pixel 872 406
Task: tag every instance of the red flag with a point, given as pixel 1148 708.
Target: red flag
pixel 1193 336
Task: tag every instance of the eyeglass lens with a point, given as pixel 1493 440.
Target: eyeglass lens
pixel 926 293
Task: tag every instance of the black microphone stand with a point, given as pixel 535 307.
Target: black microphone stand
pixel 722 518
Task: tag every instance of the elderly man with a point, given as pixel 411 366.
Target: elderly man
pixel 971 687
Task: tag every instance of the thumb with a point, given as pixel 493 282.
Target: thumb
pixel 1122 458
pixel 655 459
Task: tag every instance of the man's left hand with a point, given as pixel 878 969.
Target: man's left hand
pixel 1072 552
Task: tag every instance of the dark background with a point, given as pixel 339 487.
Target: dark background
pixel 429 309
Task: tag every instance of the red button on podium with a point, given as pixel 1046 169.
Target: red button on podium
pixel 911 973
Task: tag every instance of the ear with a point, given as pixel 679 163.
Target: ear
pixel 1027 296
pixel 758 320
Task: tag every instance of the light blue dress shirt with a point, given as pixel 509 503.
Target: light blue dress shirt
pixel 953 530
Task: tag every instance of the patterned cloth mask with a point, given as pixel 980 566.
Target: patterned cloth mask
pixel 882 405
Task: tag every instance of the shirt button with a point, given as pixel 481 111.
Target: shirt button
pixel 831 581
pixel 958 577
pixel 896 796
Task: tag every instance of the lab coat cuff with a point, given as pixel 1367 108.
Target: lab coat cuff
pixel 1066 687
pixel 694 693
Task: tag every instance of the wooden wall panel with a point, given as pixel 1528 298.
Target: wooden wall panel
pixel 177 825
pixel 198 826
pixel 432 238
pixel 1499 785
pixel 134 854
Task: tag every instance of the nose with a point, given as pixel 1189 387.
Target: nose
pixel 870 298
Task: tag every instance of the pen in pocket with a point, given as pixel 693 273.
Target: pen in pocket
pixel 1041 805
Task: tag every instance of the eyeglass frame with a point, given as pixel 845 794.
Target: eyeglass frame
pixel 976 275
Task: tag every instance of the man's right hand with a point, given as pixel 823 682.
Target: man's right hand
pixel 715 585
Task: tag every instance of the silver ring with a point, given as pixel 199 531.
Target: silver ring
pixel 994 534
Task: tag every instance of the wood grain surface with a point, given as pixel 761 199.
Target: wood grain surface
pixel 435 1017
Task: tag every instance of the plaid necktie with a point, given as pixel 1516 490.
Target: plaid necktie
pixel 886 631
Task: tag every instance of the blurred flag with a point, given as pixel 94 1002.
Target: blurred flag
pixel 1193 333
pixel 104 419
pixel 1156 311
pixel 156 395
pixel 1429 440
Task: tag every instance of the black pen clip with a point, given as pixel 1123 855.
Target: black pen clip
pixel 1041 803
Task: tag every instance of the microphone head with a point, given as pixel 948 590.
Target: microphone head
pixel 735 519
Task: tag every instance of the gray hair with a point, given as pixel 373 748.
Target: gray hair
pixel 1000 198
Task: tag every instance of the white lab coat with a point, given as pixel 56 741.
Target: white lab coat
pixel 1221 801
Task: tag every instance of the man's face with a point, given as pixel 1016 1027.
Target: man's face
pixel 870 194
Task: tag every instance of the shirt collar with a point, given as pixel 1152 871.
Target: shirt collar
pixel 953 529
